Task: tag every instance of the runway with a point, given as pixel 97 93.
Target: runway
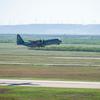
pixel 56 84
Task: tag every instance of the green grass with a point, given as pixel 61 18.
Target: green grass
pixel 51 73
pixel 37 93
pixel 71 47
pixel 88 70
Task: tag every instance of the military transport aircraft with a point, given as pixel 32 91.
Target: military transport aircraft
pixel 37 43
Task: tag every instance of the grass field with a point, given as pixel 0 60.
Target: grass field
pixel 37 93
pixel 72 62
pixel 20 62
pixel 71 47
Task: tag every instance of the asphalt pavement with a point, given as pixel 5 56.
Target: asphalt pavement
pixel 47 83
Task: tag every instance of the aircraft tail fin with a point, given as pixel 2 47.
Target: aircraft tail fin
pixel 20 41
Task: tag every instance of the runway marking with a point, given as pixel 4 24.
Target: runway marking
pixel 75 57
pixel 76 64
pixel 43 83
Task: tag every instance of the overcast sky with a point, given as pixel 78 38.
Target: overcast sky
pixel 49 11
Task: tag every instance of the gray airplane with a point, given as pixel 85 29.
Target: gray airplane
pixel 37 43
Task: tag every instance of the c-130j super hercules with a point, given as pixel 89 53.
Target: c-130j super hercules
pixel 37 43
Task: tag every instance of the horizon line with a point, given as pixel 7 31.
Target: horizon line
pixel 50 24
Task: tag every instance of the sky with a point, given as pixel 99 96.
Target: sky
pixel 13 12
